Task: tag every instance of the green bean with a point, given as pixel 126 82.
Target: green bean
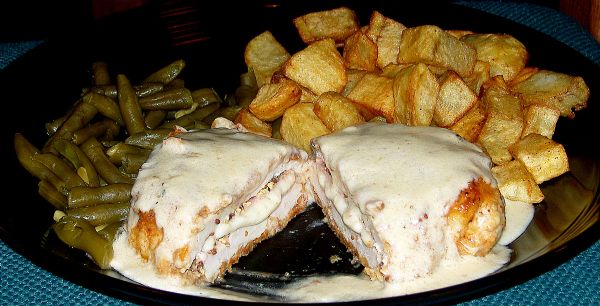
pixel 25 154
pixel 131 163
pixel 52 126
pixel 85 168
pixel 168 100
pixel 100 73
pixel 53 196
pixel 130 108
pixel 226 112
pixel 105 90
pixel 101 213
pixel 109 172
pixel 166 74
pixel 276 127
pixel 141 90
pixel 154 118
pixel 60 168
pixel 80 234
pixel 110 231
pixel 105 105
pixel 118 151
pixel 244 95
pixel 205 96
pixel 90 196
pixel 109 143
pixel 175 84
pixel 189 120
pixel 106 127
pixel 81 115
pixel 146 89
pixel 149 138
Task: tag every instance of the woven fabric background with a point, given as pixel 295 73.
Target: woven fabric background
pixel 575 282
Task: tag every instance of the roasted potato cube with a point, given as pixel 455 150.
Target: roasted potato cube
pixel 544 158
pixel 433 46
pixel 353 77
pixel 272 100
pixel 505 54
pixel 504 122
pixel 470 125
pixel 480 75
pixel 386 33
pixel 300 124
pixel 337 111
pixel 318 67
pixel 378 119
pixel 252 123
pixel 459 33
pixel 392 70
pixel 360 52
pixel 516 183
pixel 561 91
pixel 375 94
pixel 540 119
pixel 264 55
pixel 415 94
pixel 523 75
pixel 337 24
pixel 307 95
pixel 454 99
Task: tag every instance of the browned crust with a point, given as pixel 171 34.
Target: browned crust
pixel 271 230
pixel 145 236
pixel 373 273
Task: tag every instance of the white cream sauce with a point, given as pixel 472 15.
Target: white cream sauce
pixel 453 176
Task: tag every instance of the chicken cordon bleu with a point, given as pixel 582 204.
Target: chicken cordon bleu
pixel 404 199
pixel 204 199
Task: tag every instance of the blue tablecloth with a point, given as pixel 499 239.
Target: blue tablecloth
pixel 575 282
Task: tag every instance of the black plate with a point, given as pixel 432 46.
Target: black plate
pixel 41 85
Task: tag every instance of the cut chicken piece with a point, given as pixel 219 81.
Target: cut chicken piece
pixel 405 199
pixel 204 199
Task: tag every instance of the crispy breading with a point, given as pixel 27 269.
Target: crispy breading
pixel 415 95
pixel 505 54
pixel 264 55
pixel 337 24
pixel 318 67
pixel 375 94
pixel 544 158
pixel 272 100
pixel 337 111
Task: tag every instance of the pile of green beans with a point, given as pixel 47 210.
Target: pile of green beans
pixel 87 167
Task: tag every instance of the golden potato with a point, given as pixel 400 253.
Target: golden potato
pixel 504 122
pixel 470 125
pixel 307 95
pixel 336 111
pixel 454 99
pixel 459 33
pixel 558 90
pixel 505 54
pixel 431 45
pixel 300 124
pixel 337 24
pixel 386 33
pixel 516 183
pixel 272 100
pixel 392 70
pixel 540 119
pixel 264 55
pixel 252 123
pixel 480 75
pixel 544 158
pixel 318 67
pixel 375 94
pixel 353 77
pixel 360 52
pixel 415 94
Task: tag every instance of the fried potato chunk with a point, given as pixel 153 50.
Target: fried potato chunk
pixel 360 52
pixel 272 100
pixel 375 94
pixel 415 94
pixel 540 119
pixel 264 55
pixel 454 99
pixel 516 183
pixel 561 91
pixel 353 77
pixel 392 70
pixel 386 33
pixel 252 123
pixel 505 54
pixel 504 122
pixel 433 46
pixel 318 67
pixel 337 111
pixel 337 24
pixel 459 33
pixel 480 75
pixel 300 124
pixel 544 158
pixel 470 125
